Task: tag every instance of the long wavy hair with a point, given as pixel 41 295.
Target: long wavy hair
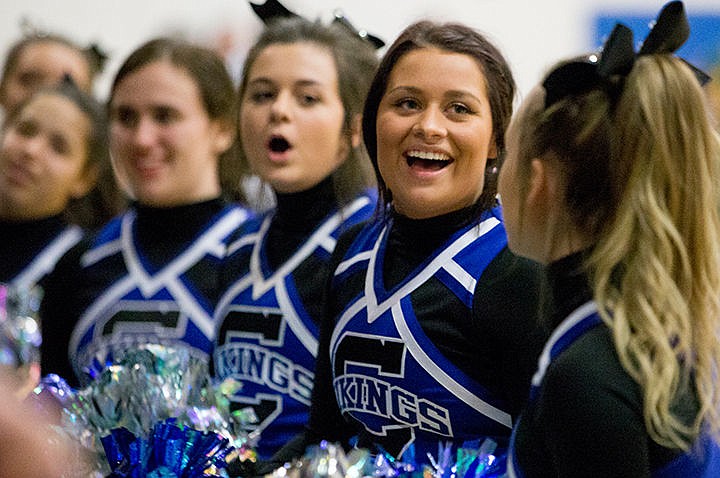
pixel 656 265
pixel 642 177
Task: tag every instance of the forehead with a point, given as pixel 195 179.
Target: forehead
pixel 57 113
pixel 293 61
pixel 438 68
pixel 49 53
pixel 157 82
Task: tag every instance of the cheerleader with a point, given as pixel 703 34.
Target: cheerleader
pixel 52 152
pixel 150 276
pixel 611 180
pixel 430 333
pixel 301 96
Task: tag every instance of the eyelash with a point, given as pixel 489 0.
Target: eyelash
pixel 467 109
pixel 260 97
pixel 404 104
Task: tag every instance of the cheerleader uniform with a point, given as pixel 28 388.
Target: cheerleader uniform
pixel 269 316
pixel 30 249
pixel 150 276
pixel 585 414
pixel 430 336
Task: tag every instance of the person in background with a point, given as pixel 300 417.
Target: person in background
pixel 301 97
pixel 151 275
pixel 611 180
pixel 53 150
pixel 430 333
pixel 44 59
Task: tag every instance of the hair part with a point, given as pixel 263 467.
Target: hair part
pixel 355 63
pixel 455 38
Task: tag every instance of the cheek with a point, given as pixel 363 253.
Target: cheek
pixel 249 130
pixel 390 131
pixel 119 137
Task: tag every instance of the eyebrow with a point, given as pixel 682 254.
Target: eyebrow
pixel 452 94
pixel 301 82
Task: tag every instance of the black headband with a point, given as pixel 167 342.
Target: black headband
pixel 273 9
pixel 670 31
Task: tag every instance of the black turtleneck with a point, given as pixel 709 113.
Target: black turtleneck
pixel 566 288
pixel 411 241
pixel 295 218
pixel 21 241
pixel 161 232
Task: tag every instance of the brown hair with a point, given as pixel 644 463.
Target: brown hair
pixel 217 93
pixel 355 63
pixel 457 38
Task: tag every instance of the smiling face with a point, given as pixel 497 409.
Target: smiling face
pixel 434 130
pixel 164 144
pixel 291 116
pixel 43 158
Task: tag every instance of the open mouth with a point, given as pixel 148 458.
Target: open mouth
pixel 278 144
pixel 427 160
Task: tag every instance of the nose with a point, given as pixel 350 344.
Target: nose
pixel 34 146
pixel 143 133
pixel 430 124
pixel 280 107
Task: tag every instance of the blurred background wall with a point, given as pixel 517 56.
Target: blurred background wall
pixel 533 34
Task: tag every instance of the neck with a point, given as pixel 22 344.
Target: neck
pixel 557 236
pixel 564 247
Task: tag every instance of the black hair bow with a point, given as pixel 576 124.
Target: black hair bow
pixel 273 9
pixel 670 31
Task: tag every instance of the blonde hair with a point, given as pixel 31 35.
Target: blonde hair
pixel 655 268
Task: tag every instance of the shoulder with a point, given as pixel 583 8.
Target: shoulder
pixel 348 237
pixel 510 270
pixel 589 411
pixel 67 269
pixel 590 372
pixel 511 284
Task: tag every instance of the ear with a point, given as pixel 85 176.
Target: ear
pixel 85 182
pixel 354 136
pixel 224 134
pixel 493 149
pixel 356 130
pixel 540 185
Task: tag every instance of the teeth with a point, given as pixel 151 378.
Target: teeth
pixel 429 155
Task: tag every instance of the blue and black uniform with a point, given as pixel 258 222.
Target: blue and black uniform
pixel 585 414
pixel 430 336
pixel 150 276
pixel 269 316
pixel 29 250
